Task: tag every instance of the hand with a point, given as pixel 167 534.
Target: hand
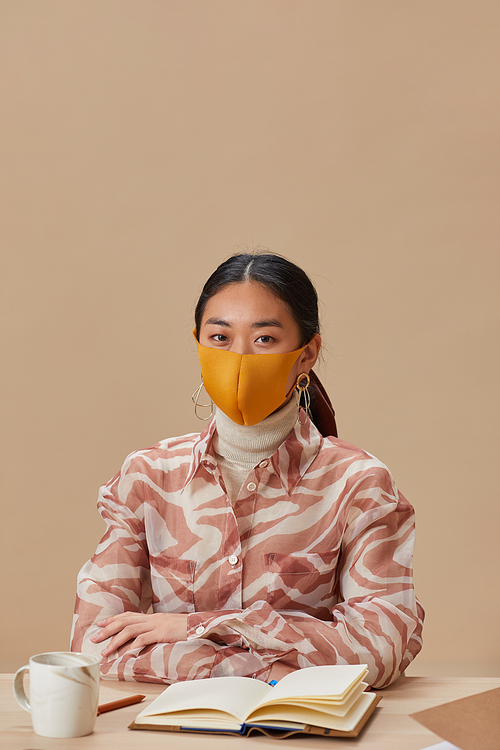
pixel 142 630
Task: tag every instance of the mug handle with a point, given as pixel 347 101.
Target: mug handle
pixel 21 697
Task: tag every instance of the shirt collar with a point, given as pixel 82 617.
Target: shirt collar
pixel 202 454
pixel 296 454
pixel 290 461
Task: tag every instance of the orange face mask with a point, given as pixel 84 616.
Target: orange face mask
pixel 246 387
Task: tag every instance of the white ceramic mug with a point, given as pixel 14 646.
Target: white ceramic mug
pixel 63 693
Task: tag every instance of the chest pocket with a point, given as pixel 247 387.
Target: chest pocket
pixel 302 582
pixel 172 581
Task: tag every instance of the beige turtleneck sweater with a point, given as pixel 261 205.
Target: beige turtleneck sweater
pixel 239 448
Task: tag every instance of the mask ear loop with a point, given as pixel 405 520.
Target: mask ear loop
pixel 194 399
pixel 302 388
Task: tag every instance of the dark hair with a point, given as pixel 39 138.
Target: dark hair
pixel 282 277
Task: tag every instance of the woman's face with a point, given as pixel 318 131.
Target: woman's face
pixel 247 318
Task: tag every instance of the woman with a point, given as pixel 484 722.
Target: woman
pixel 260 546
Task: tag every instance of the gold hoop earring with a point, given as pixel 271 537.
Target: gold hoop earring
pixel 194 399
pixel 302 388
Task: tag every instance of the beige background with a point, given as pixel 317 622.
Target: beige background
pixel 141 143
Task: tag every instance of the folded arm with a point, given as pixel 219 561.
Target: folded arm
pixel 375 619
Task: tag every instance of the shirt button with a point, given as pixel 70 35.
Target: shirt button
pixel 233 560
pixel 251 486
pixel 263 464
pixel 200 630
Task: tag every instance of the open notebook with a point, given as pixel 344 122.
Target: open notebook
pixel 327 700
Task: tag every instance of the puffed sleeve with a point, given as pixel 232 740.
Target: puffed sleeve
pixel 117 579
pixel 376 619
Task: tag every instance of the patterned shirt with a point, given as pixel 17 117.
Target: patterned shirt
pixel 311 565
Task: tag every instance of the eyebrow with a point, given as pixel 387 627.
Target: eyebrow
pixel 272 323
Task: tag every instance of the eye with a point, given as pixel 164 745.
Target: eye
pixel 265 339
pixel 219 338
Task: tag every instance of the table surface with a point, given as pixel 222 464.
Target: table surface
pixel 390 727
